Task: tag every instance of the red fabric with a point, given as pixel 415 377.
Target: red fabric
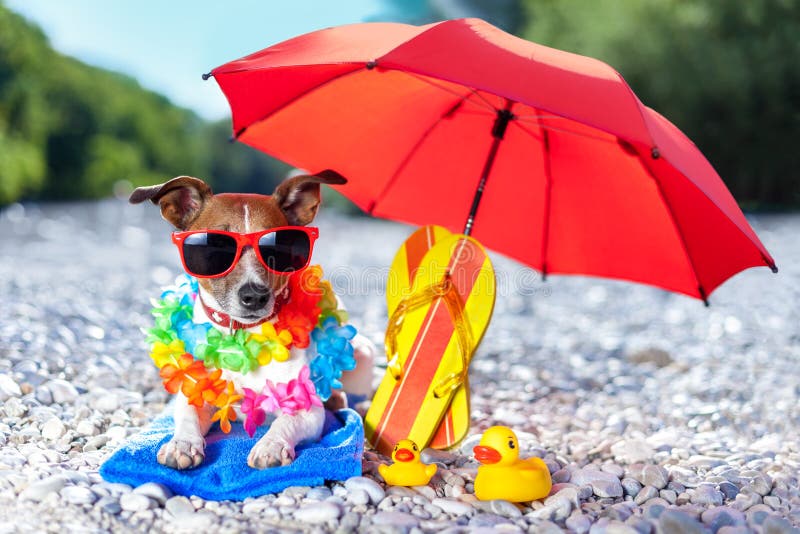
pixel 574 187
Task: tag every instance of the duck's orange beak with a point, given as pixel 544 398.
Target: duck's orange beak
pixel 403 455
pixel 486 455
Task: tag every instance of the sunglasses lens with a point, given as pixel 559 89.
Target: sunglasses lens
pixel 285 251
pixel 208 254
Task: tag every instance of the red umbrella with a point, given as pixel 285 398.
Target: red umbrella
pixel 545 156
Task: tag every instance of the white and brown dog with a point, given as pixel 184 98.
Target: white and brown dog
pixel 249 294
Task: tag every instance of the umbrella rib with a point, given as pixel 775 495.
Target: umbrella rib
pixel 465 98
pixel 571 132
pixel 392 179
pixel 548 187
pixel 701 291
pixel 294 99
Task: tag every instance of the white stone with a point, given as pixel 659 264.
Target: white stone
pixel 453 506
pixel 8 388
pixel 41 488
pixel 78 495
pixel 318 512
pixel 154 490
pixel 136 502
pixel 63 392
pixel 373 489
pixel 53 428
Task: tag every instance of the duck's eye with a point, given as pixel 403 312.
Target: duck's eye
pixel 414 446
pixel 511 444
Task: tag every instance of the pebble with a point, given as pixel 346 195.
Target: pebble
pixel 578 523
pixel 706 494
pixel 654 475
pixel 86 428
pixel 504 508
pixel 136 502
pixel 603 484
pixel 761 484
pixel 778 525
pixel 41 488
pixel 729 490
pixel 179 506
pixel 676 522
pixel 319 493
pixel 109 505
pixel 435 456
pixel 201 521
pixel 721 516
pixel 632 451
pixel 8 387
pixel 78 495
pixel 318 512
pixel 358 496
pixel 154 490
pixel 562 503
pixel 453 506
pixel 631 486
pixel 374 490
pixel 395 519
pixel 62 391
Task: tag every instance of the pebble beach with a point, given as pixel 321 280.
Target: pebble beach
pixel 653 413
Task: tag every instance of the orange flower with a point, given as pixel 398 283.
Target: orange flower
pixel 225 413
pixel 205 389
pixel 305 291
pixel 298 324
pixel 184 375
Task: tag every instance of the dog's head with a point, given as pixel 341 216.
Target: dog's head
pixel 248 292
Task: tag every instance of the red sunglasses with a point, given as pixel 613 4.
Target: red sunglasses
pixel 214 253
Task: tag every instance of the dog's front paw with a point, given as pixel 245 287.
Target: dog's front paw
pixel 270 453
pixel 182 453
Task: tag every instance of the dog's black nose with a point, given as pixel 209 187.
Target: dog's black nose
pixel 253 296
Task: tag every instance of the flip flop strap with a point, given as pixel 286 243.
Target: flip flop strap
pixel 442 290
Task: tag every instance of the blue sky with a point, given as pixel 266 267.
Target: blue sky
pixel 168 45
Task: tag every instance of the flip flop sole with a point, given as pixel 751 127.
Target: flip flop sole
pixel 428 346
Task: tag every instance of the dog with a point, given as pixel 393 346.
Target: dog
pixel 247 295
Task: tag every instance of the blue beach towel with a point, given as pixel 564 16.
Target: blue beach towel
pixel 225 475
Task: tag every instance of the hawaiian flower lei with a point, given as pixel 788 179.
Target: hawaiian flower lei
pixel 191 356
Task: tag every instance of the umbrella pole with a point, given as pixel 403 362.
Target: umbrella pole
pixel 504 116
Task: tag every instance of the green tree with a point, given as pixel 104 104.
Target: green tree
pixel 727 72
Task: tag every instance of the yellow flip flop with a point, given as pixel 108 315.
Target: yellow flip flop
pixel 455 422
pixel 433 331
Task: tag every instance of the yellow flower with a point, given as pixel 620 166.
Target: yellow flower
pixel 274 345
pixel 163 354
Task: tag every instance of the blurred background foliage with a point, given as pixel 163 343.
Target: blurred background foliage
pixel 70 131
pixel 727 72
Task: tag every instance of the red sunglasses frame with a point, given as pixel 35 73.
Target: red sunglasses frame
pixel 242 240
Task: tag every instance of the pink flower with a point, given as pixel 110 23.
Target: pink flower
pixel 252 407
pixel 298 394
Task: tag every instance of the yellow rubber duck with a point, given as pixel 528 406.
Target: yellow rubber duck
pixel 408 469
pixel 503 475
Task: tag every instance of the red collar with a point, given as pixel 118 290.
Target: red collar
pixel 224 320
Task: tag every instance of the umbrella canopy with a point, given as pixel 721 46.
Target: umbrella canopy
pixel 545 156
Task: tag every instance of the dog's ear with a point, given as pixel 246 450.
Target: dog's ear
pixel 181 199
pixel 299 196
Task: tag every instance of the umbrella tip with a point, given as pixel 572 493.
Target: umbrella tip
pixel 774 268
pixel 206 76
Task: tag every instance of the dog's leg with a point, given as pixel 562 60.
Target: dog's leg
pixel 277 445
pixel 359 380
pixel 186 449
